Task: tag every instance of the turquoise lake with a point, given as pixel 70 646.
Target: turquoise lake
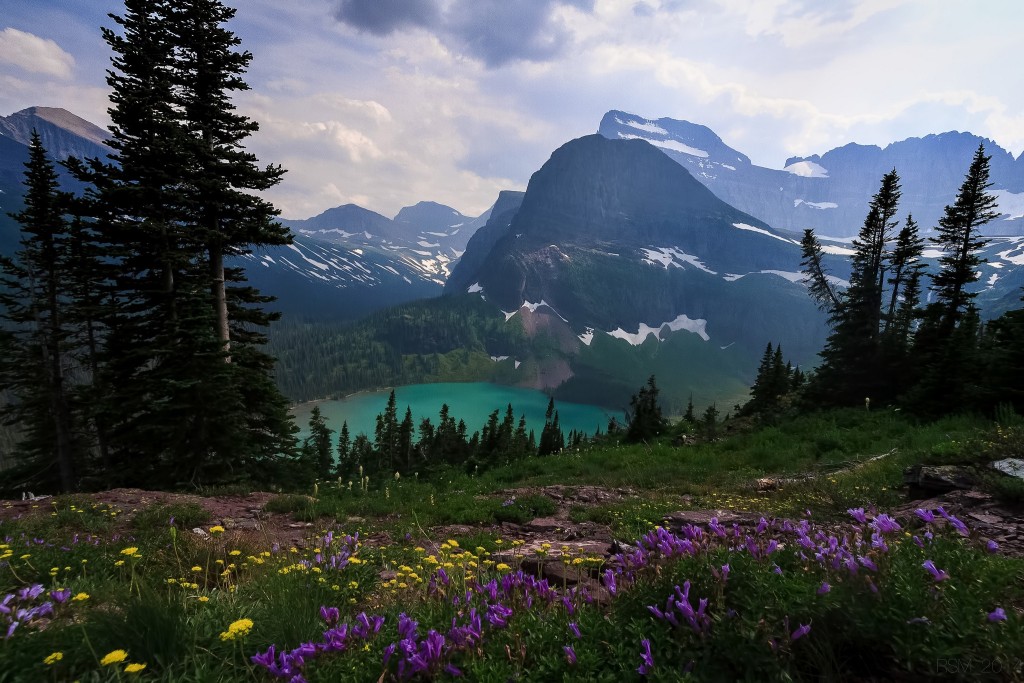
pixel 471 401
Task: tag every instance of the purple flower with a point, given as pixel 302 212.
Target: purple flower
pixel 937 574
pixel 868 562
pixel 645 655
pixel 858 514
pixel 574 628
pixel 926 515
pixel 825 588
pixel 992 546
pixel 885 524
pixel 998 614
pixel 609 581
pixel 570 654
pixel 388 651
pixel 452 670
pixel 330 614
pixel 61 596
pixel 802 631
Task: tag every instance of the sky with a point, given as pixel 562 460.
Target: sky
pixel 384 103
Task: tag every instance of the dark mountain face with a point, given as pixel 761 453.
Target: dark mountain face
pixel 614 238
pixel 466 271
pixel 830 192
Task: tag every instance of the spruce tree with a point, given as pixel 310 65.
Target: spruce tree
pixel 853 361
pixel 37 337
pixel 316 448
pixel 174 199
pixel 946 344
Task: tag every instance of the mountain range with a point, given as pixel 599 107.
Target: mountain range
pixel 830 192
pixel 650 247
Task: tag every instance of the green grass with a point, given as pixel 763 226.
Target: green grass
pixel 170 602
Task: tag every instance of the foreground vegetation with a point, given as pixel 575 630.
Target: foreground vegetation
pixel 827 586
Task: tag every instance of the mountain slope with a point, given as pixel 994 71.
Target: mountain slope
pixel 830 192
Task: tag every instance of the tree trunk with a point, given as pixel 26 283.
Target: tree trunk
pixel 220 300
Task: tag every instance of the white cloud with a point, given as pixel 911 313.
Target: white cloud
pixel 34 54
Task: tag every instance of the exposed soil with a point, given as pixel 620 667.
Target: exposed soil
pixel 245 517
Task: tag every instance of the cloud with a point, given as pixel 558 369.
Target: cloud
pixel 495 32
pixel 34 54
pixel 383 17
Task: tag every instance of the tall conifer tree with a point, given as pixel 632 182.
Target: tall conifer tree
pixel 37 337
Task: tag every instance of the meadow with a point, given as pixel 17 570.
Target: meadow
pixel 419 580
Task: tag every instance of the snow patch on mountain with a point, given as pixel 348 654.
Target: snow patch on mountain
pixel 682 322
pixel 815 205
pixel 587 336
pixel 318 264
pixel 671 256
pixel 807 169
pixel 532 308
pixel 646 126
pixel 474 288
pixel 498 359
pixel 1011 204
pixel 751 228
pixel 673 145
pixel 837 251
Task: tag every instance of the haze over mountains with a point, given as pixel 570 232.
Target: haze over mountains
pixel 650 247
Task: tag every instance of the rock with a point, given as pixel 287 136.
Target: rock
pixel 930 479
pixel 1011 466
pixel 702 517
pixel 200 532
pixel 354 520
pixel 547 524
pixel 984 518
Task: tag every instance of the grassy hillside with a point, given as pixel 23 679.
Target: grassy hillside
pixel 384 587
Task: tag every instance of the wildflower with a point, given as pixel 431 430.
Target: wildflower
pixel 217 529
pixel 645 655
pixel 134 668
pixel 998 614
pixel 502 567
pixel 825 588
pixel 574 628
pixel 992 546
pixel 60 596
pixel 80 597
pixel 203 598
pixel 570 653
pixel 115 657
pixel 926 515
pixel 53 658
pixel 130 552
pixel 235 553
pixel 237 629
pixel 858 514
pixel 937 574
pixel 885 524
pixel 802 631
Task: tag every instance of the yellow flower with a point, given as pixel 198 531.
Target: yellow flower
pixel 197 568
pixel 235 552
pixel 80 597
pixel 237 629
pixel 204 598
pixel 134 668
pixel 502 567
pixel 453 543
pixel 119 563
pixel 115 657
pixel 218 529
pixel 53 658
pixel 130 551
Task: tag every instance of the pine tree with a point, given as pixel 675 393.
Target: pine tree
pixel 689 415
pixel 645 421
pixel 316 448
pixel 176 197
pixel 853 361
pixel 946 343
pixel 37 337
pixel 344 450
pixel 959 238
